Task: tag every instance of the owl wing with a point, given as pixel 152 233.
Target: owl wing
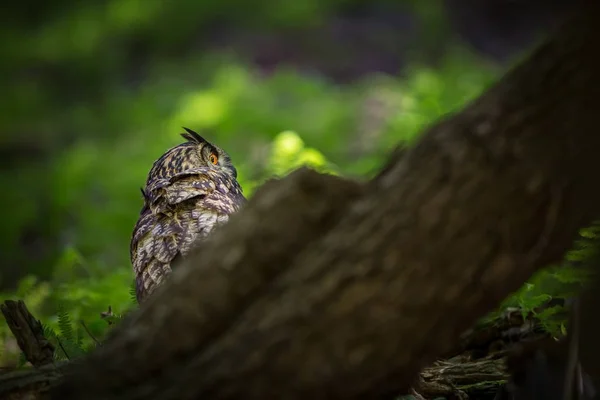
pixel 164 193
pixel 166 225
pixel 153 248
pixel 177 212
pixel 219 191
pixel 226 198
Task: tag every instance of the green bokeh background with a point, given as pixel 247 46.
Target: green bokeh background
pixel 95 92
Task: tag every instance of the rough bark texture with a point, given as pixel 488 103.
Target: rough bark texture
pixel 29 333
pixel 455 378
pixel 476 369
pixel 323 288
pixel 31 384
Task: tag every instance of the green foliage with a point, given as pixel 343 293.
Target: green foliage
pixel 559 282
pixel 67 345
pixel 64 324
pixel 289 152
pixel 94 183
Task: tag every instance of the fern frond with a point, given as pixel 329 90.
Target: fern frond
pixel 64 324
pixel 553 320
pixel 587 247
pixel 48 332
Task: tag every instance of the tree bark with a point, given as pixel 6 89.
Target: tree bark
pixel 480 379
pixel 475 369
pixel 29 333
pixel 324 288
pixel 31 384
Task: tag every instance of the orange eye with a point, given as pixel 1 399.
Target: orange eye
pixel 214 159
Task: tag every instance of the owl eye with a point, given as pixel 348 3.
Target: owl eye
pixel 213 159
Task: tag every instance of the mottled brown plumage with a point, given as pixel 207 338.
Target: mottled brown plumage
pixel 190 190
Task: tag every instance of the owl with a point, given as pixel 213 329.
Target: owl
pixel 190 190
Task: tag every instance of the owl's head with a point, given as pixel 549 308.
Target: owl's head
pixel 197 152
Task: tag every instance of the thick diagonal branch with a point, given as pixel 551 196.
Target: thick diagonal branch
pixel 322 288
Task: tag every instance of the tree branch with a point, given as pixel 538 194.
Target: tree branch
pixel 443 379
pixel 458 376
pixel 29 333
pixel 31 384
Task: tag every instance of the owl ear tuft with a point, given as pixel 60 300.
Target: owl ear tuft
pixel 192 136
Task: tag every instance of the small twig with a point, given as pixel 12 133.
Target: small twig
pixel 90 333
pixel 106 315
pixel 63 348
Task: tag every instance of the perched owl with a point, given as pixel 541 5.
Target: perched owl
pixel 190 190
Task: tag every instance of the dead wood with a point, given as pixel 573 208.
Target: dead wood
pixel 449 378
pixel 29 333
pixel 461 376
pixel 31 383
pixel 456 378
